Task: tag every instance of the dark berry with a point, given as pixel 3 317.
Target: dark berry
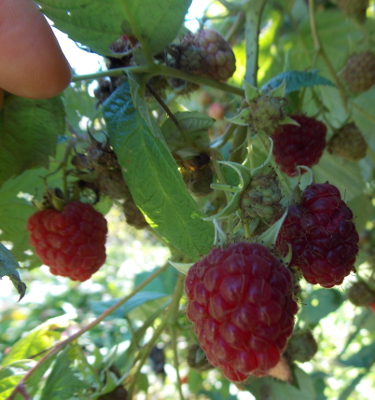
pixel 299 145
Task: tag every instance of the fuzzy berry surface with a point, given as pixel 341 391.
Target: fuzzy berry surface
pixel 71 242
pixel 241 303
pixel 348 143
pixel 208 54
pixel 359 71
pixel 299 145
pixel 322 235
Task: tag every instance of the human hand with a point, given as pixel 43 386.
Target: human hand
pixel 32 64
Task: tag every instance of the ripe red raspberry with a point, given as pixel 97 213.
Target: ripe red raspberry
pixel 359 71
pixel 208 54
pixel 299 145
pixel 70 242
pixel 322 235
pixel 241 303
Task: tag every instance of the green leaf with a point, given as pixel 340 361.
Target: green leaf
pixel 154 181
pixel 16 208
pixel 8 267
pixel 302 389
pixel 163 283
pixel 195 125
pixel 11 374
pixel 348 179
pixel 319 304
pixel 28 133
pixel 296 80
pixel 62 384
pixel 98 23
pixel 37 340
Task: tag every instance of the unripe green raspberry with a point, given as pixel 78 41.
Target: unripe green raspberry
pixel 261 199
pixel 208 54
pixel 301 347
pixel 266 113
pixel 348 143
pixel 360 294
pixel 359 72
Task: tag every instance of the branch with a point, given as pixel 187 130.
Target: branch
pixel 59 346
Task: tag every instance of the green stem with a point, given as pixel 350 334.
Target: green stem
pixel 173 309
pixel 200 80
pixel 237 146
pixel 112 72
pixel 223 139
pixel 236 25
pixel 173 324
pixel 253 15
pixel 59 346
pixel 134 25
pixel 320 51
pixel 250 149
pixel 363 112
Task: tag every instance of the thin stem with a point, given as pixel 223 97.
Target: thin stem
pixel 253 15
pixel 59 346
pixel 176 363
pixel 200 80
pixel 171 116
pixel 363 112
pixel 250 149
pixel 173 309
pixel 140 37
pixel 320 51
pixel 236 25
pixel 238 141
pixel 112 72
pixel 223 139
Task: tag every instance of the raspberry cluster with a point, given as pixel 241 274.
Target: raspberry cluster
pixel 322 235
pixel 70 242
pixel 299 145
pixel 240 301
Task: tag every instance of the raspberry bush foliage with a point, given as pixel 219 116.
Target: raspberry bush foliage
pixel 161 249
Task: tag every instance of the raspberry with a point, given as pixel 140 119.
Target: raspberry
pixel 322 236
pixel 348 143
pixel 266 113
pixel 360 294
pixel 70 242
pixel 355 8
pixel 299 145
pixel 241 303
pixel 100 171
pixel 198 174
pixel 261 199
pixel 301 347
pixel 208 54
pixel 359 72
